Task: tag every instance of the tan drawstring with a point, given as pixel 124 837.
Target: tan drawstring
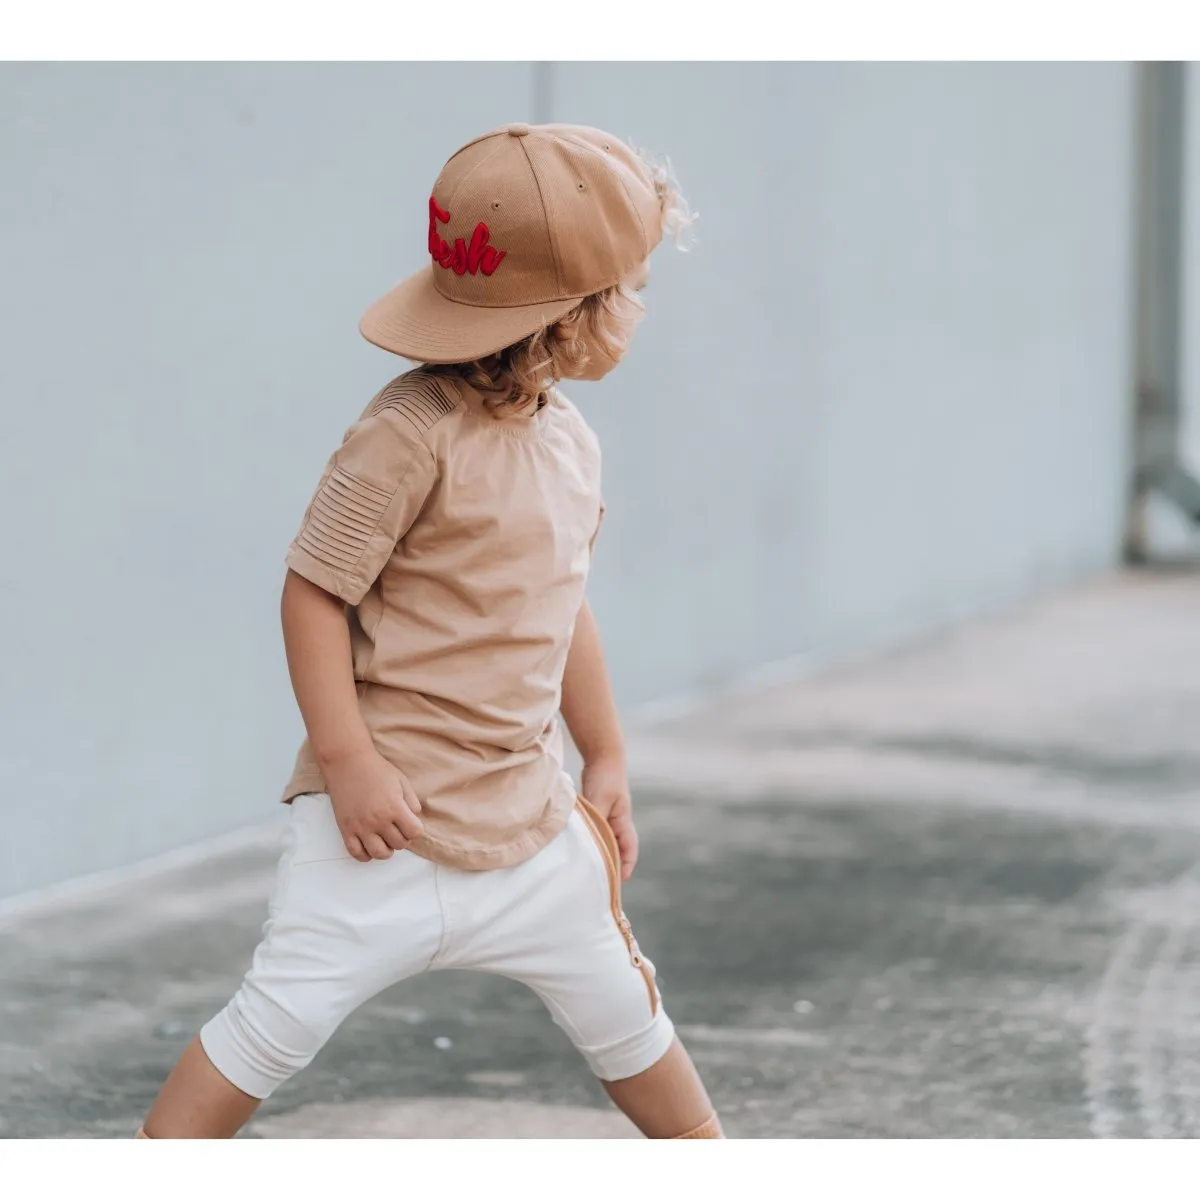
pixel 602 835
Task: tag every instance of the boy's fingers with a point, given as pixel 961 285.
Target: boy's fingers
pixel 375 846
pixel 414 801
pixel 627 843
pixel 408 823
pixel 394 836
pixel 355 847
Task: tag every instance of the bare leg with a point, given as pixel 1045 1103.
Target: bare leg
pixel 197 1101
pixel 667 1100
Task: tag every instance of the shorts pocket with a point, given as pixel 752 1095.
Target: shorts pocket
pixel 315 835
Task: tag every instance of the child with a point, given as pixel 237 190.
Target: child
pixel 435 622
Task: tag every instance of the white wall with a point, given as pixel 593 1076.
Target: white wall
pixel 184 254
pixel 888 386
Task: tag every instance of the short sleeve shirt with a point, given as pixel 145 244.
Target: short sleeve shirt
pixel 460 542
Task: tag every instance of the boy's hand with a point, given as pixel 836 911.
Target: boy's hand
pixel 606 788
pixel 374 804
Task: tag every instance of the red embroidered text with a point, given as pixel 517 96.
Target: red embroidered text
pixel 461 258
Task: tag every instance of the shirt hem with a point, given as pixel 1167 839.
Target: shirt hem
pixel 549 825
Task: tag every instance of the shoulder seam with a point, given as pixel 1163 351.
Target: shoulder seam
pixel 420 398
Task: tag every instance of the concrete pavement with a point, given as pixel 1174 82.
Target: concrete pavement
pixel 953 891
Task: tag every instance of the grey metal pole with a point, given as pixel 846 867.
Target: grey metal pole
pixel 1159 161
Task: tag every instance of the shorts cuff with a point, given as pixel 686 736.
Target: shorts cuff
pixel 220 1043
pixel 632 1055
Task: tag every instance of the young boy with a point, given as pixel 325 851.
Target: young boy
pixel 435 622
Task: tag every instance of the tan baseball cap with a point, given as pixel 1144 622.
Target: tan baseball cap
pixel 523 223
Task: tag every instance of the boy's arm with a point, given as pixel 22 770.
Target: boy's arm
pixel 590 712
pixel 374 804
pixel 317 640
pixel 369 496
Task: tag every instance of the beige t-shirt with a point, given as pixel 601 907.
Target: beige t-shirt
pixel 461 543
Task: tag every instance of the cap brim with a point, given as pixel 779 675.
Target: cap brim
pixel 415 321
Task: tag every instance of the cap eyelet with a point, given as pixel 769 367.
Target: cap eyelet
pixel 581 186
pixel 607 147
pixel 495 204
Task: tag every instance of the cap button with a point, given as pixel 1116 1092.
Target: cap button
pixel 520 130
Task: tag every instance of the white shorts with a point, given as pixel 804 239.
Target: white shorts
pixel 339 931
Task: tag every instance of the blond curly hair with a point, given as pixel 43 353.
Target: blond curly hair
pixel 523 372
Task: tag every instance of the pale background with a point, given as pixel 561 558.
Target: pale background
pixel 889 388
